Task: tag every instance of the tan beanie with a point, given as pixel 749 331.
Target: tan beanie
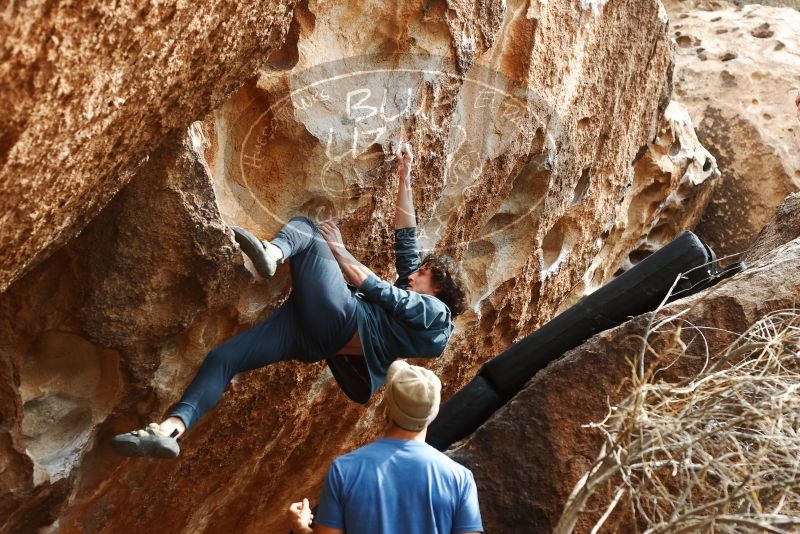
pixel 413 394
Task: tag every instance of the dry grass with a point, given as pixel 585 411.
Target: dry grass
pixel 719 452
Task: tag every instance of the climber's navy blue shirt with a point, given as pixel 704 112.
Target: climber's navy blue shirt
pixel 399 486
pixel 393 323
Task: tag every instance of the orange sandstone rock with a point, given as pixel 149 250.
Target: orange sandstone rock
pixel 736 73
pixel 536 128
pixel 89 90
pixel 533 451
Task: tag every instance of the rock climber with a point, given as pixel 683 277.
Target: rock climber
pixel 338 310
pixel 399 483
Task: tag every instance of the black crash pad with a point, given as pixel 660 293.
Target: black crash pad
pixel 642 288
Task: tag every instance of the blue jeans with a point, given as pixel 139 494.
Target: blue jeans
pixel 316 321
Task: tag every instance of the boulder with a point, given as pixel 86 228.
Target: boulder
pixel 673 182
pixel 89 90
pixel 530 455
pixel 88 333
pixel 736 73
pixel 534 129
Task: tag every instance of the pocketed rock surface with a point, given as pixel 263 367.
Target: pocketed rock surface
pixel 737 72
pixel 528 457
pixel 537 131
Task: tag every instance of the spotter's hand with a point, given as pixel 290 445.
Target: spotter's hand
pixel 300 517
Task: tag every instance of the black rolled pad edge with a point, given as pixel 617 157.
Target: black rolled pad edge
pixel 636 291
pixel 463 413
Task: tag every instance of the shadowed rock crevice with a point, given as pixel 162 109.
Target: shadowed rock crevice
pixel 67 387
pixel 742 196
pixel 164 221
pixel 557 244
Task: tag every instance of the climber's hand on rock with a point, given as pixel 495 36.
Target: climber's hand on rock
pixel 300 517
pixel 404 160
pixel 332 235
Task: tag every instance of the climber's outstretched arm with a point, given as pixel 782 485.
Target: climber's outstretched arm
pixel 354 271
pixel 404 216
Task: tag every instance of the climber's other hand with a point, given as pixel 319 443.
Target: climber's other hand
pixel 333 237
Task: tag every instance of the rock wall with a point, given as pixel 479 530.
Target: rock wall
pixel 683 6
pixel 89 90
pixel 672 184
pixel 537 129
pixel 542 427
pixel 737 72
pixel 153 261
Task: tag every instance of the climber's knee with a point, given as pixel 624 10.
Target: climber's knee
pixel 218 357
pixel 303 219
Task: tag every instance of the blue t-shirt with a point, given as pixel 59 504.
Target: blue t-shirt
pixel 399 486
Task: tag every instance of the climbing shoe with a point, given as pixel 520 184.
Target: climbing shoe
pixel 256 250
pixel 149 441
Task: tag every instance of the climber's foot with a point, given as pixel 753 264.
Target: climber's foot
pixel 149 441
pixel 263 261
pixel 172 426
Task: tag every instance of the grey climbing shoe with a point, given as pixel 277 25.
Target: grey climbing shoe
pixel 149 441
pixel 255 249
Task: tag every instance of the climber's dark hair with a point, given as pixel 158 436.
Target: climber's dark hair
pixel 449 280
